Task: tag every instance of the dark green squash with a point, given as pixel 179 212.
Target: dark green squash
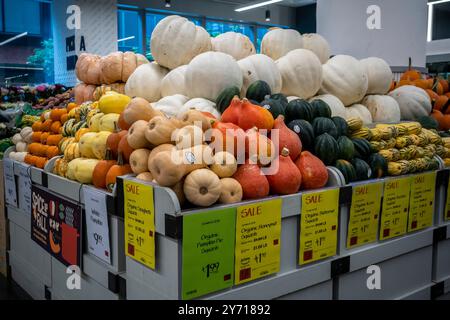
pixel 324 125
pixel 378 165
pixel 341 125
pixel 347 170
pixel 223 101
pixel 321 109
pixel 346 148
pixel 281 97
pixel 363 171
pixel 428 122
pixel 363 149
pixel 299 109
pixel 275 107
pixel 258 91
pixel 305 132
pixel 326 148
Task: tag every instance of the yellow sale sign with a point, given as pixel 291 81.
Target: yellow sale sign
pixel 364 214
pixel 319 225
pixel 258 240
pixel 394 216
pixel 139 222
pixel 421 205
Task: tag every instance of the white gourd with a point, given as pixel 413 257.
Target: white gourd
pixel 345 78
pixel 317 44
pixel 21 146
pixel 145 82
pixel 384 109
pixel 176 41
pixel 235 44
pixel 278 42
pixel 301 73
pixel 359 111
pixel 337 107
pixel 260 67
pixel 202 105
pixel 171 105
pixel 210 73
pixel 414 102
pixel 173 82
pixel 379 75
pixel 16 138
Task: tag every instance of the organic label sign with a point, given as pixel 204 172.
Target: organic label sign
pixel 97 223
pixel 139 222
pixel 24 188
pixel 421 203
pixel 258 237
pixel 318 225
pixel 10 182
pixel 364 214
pixel 394 215
pixel 208 252
pixel 56 226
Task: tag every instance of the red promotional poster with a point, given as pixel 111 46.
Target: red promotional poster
pixel 56 226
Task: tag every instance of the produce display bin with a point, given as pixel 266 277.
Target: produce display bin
pixel 441 257
pixel 3 227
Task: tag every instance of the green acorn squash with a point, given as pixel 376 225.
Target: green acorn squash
pixel 347 170
pixel 378 165
pixel 324 125
pixel 341 125
pixel 363 149
pixel 299 110
pixel 275 107
pixel 363 171
pixel 326 148
pixel 321 109
pixel 346 148
pixel 258 91
pixel 305 132
pixel 224 99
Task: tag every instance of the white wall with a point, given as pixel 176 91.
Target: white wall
pixel 438 47
pixel 403 29
pixel 279 14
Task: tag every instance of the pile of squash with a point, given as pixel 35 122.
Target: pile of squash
pixel 21 141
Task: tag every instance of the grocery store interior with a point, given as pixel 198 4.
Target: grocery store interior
pixel 225 150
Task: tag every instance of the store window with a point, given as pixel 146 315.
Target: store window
pixel 441 21
pixel 260 33
pixel 130 31
pixel 215 28
pixel 22 16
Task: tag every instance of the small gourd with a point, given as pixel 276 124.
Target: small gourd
pixel 231 191
pixel 139 160
pixel 225 164
pixel 136 135
pixel 202 187
pixel 101 169
pixel 115 171
pixel 159 130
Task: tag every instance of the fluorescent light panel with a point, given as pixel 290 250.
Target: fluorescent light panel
pixel 437 2
pixel 125 39
pixel 257 5
pixel 13 38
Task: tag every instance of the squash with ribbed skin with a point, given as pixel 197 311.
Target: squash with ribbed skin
pixel 202 187
pixel 258 91
pixel 362 148
pixel 231 191
pixel 145 82
pixel 362 169
pixel 235 44
pixel 224 99
pixel 378 165
pixel 336 106
pixel 384 109
pixel 275 107
pixel 173 82
pixel 346 148
pixel 324 125
pixel 379 75
pixel 413 102
pixel 299 109
pixel 347 170
pixel 170 106
pixel 317 44
pixel 326 148
pixel 359 111
pixel 320 109
pixel 305 132
pixel 278 42
pixel 341 126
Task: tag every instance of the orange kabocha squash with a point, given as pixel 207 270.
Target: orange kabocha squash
pixel 286 138
pixel 36 136
pixel 287 179
pixel 411 74
pixel 54 139
pixel 314 172
pixel 115 171
pixel 252 115
pixel 56 127
pixel 55 114
pixel 254 184
pixel 101 170
pixel 51 152
pixel 124 148
pixel 37 126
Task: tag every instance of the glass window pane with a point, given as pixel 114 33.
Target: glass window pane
pixel 441 21
pixel 130 28
pixel 218 27
pixel 261 32
pixel 22 16
pixel 1 17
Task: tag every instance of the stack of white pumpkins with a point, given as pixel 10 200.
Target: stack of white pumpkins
pixel 191 70
pixel 21 141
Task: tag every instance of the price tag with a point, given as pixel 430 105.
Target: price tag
pixel 318 225
pixel 208 252
pixel 258 236
pixel 394 215
pixel 97 223
pixel 24 188
pixel 421 203
pixel 364 214
pixel 10 182
pixel 139 223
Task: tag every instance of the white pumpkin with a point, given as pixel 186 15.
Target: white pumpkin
pixel 173 82
pixel 171 105
pixel 379 75
pixel 210 73
pixel 414 102
pixel 345 78
pixel 260 67
pixel 235 44
pixel 359 111
pixel 301 73
pixel 317 44
pixel 337 107
pixel 278 42
pixel 176 41
pixel 202 105
pixel 145 82
pixel 383 109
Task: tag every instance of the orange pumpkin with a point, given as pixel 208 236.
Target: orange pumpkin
pixel 54 139
pixel 37 126
pixel 122 124
pixel 441 119
pixel 34 148
pixel 411 74
pixel 30 159
pixel 56 127
pixel 52 151
pixel 44 137
pixel 433 95
pixel 113 142
pixel 402 83
pixel 46 125
pixel 437 87
pixel 445 85
pixel 36 136
pixel 124 148
pixel 101 170
pixel 41 162
pixel 115 171
pixel 393 85
pixel 423 83
pixel 55 114
pixel 64 118
pixel 71 106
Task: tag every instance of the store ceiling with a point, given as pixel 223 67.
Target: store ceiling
pixel 290 3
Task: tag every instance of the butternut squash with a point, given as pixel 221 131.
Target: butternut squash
pixel 145 176
pixel 202 187
pixel 139 160
pixel 196 118
pixel 231 191
pixel 188 137
pixel 136 135
pixel 159 130
pixel 158 149
pixel 139 109
pixel 225 164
